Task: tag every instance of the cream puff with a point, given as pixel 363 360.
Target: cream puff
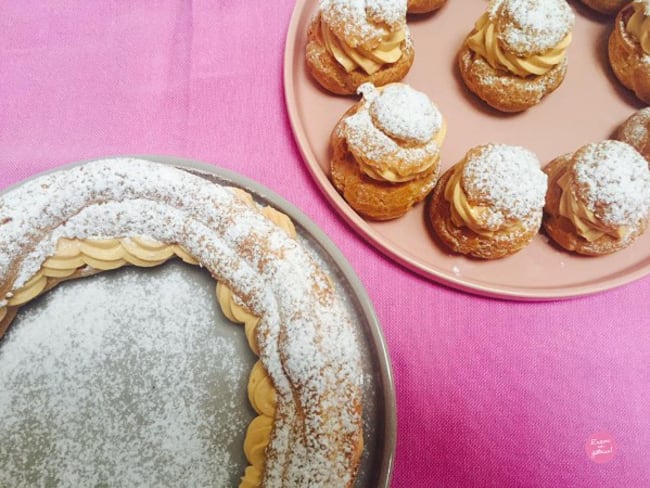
pixel 598 199
pixel 629 48
pixel 607 7
pixel 386 150
pixel 636 132
pixel 516 53
pixel 351 42
pixel 424 6
pixel 489 205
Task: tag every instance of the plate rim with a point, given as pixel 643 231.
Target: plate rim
pixel 371 236
pixel 374 332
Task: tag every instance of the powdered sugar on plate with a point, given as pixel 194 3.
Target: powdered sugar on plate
pixel 129 379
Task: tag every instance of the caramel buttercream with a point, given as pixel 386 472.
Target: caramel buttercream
pixel 484 41
pixel 639 24
pixel 364 36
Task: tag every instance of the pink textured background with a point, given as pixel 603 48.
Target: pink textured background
pixel 489 393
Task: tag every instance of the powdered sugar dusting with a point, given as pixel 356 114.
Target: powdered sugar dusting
pixel 508 178
pixel 305 334
pixel 614 181
pixel 102 385
pixel 531 26
pixel 635 130
pixel 363 22
pixel 405 113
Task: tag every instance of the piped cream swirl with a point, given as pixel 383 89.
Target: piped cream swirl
pixel 586 224
pixel 484 41
pixel 639 25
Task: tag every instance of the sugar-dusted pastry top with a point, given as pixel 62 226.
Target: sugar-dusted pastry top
pixel 495 188
pixel 305 337
pixel 396 132
pixel 527 27
pixel 605 190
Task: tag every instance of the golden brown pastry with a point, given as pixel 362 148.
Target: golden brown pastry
pixel 636 132
pixel 386 150
pixel 351 42
pixel 424 6
pixel 629 48
pixel 516 53
pixel 598 198
pixel 608 7
pixel 489 205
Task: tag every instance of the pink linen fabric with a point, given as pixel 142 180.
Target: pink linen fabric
pixel 489 392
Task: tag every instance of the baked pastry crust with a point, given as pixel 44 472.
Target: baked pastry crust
pixel 608 7
pixel 333 77
pixel 502 90
pixel 635 131
pixel 424 6
pixel 561 229
pixel 627 59
pixel 462 239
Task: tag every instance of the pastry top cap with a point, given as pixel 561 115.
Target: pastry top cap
pixel 527 27
pixel 402 112
pixel 613 180
pixel 363 22
pixel 507 178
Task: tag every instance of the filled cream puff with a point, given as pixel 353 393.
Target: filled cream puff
pixel 386 150
pixel 598 199
pixel 489 205
pixel 516 53
pixel 351 42
pixel 629 48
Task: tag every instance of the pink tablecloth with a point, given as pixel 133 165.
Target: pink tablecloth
pixel 489 393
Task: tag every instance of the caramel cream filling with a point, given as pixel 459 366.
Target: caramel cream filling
pixel 586 223
pixel 485 43
pixel 71 255
pixel 639 26
pixel 369 60
pixel 464 214
pixel 392 174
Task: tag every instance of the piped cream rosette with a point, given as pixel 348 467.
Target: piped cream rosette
pixel 396 134
pixel 364 35
pixel 485 42
pixel 76 258
pixel 639 24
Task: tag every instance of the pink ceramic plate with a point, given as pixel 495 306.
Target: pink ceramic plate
pixel 588 107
